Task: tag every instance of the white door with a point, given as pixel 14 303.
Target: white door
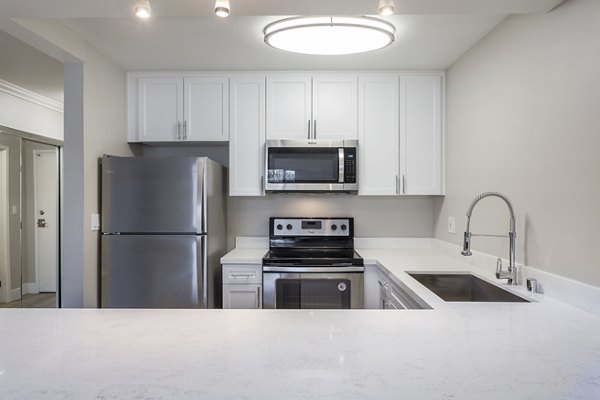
pixel 206 105
pixel 335 107
pixel 242 296
pixel 46 208
pixel 160 109
pixel 421 134
pixel 378 135
pixel 289 107
pixel 247 136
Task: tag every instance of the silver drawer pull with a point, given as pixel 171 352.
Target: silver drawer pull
pixel 242 276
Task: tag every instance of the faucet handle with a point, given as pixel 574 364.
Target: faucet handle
pixel 498 268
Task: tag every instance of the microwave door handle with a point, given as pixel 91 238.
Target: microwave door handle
pixel 341 165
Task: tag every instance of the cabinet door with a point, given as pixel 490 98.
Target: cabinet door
pixel 206 109
pixel 421 134
pixel 242 296
pixel 288 107
pixel 378 135
pixel 247 136
pixel 160 109
pixel 335 107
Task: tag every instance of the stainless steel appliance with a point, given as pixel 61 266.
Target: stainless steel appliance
pixel 311 166
pixel 163 232
pixel 311 263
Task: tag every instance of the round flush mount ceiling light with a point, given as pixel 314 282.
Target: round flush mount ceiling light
pixel 329 35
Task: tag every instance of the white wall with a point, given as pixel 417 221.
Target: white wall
pixel 105 132
pixel 523 119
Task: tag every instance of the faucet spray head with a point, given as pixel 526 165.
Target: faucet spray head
pixel 467 245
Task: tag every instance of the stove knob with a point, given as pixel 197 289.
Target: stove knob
pixel 344 227
pixel 289 227
pixel 279 227
pixel 333 227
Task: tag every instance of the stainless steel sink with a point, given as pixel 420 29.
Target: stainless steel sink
pixel 464 287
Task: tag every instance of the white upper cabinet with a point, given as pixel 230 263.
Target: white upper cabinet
pixel 206 109
pixel 160 109
pixel 335 107
pixel 179 108
pixel 289 113
pixel 378 135
pixel 247 136
pixel 305 107
pixel 421 134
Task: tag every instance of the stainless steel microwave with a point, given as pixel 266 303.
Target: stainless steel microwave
pixel 311 165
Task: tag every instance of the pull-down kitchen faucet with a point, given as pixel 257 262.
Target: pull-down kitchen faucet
pixel 511 273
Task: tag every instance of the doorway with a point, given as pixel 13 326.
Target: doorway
pixel 29 221
pixel 45 199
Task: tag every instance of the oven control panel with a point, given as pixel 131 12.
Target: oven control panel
pixel 339 227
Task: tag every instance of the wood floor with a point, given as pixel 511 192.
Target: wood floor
pixel 41 300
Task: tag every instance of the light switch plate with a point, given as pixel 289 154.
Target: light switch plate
pixel 451 224
pixel 14 210
pixel 95 225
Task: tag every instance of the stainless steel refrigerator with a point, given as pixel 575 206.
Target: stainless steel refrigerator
pixel 163 232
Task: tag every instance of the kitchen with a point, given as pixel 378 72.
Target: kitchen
pixel 520 117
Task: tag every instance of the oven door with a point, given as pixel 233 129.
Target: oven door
pixel 313 290
pixel 309 165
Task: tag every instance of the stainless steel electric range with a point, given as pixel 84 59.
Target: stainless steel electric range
pixel 311 263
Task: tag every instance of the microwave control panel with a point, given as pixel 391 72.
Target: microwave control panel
pixel 350 165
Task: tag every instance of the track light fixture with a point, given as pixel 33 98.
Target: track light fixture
pixel 142 8
pixel 222 8
pixel 386 7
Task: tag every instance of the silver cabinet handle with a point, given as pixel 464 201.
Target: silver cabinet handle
pixel 262 183
pixel 259 298
pixel 402 185
pixel 235 275
pixel 315 129
pixel 178 130
pixel 397 184
pixel 309 129
pixel 184 130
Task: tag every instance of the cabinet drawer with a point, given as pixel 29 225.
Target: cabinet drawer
pixel 239 273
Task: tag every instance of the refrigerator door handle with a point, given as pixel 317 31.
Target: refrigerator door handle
pixel 202 243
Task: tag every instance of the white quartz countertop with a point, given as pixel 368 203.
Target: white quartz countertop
pixel 541 350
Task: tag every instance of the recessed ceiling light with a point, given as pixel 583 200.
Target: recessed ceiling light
pixel 329 35
pixel 222 8
pixel 386 7
pixel 142 8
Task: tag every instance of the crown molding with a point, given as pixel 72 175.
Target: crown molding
pixel 30 96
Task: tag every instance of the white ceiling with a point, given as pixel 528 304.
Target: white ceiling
pixel 236 43
pixel 185 34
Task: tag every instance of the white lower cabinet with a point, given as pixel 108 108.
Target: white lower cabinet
pixel 242 286
pixel 381 293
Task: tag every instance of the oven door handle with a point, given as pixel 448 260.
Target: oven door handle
pixel 268 268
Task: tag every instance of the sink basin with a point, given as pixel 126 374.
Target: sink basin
pixel 464 287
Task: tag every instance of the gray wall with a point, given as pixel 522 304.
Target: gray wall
pixel 523 119
pixel 105 132
pixel 373 216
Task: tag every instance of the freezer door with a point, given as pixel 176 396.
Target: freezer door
pixel 151 271
pixel 152 195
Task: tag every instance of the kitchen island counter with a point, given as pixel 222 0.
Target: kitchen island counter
pixel 541 350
